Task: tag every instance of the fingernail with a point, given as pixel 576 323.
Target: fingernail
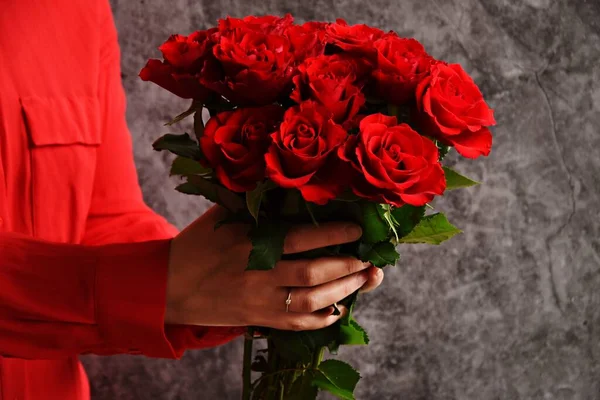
pixel 353 231
pixel 366 265
pixel 336 310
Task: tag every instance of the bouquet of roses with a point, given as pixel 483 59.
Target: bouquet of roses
pixel 312 123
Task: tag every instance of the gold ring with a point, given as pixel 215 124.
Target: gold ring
pixel 288 301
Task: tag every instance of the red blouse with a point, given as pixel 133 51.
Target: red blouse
pixel 83 261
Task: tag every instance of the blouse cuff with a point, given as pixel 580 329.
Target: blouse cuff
pixel 131 284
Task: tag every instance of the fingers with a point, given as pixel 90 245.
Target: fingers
pixel 375 277
pixel 309 237
pixel 309 300
pixel 306 273
pixel 305 321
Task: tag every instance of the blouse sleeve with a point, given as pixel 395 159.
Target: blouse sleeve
pixel 118 213
pixel 107 294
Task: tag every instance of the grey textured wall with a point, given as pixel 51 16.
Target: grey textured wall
pixel 508 310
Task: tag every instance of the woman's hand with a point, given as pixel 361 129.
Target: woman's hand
pixel 208 284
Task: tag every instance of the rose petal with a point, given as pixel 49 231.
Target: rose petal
pixel 378 119
pixel 162 74
pixel 229 183
pixel 473 144
pixel 277 174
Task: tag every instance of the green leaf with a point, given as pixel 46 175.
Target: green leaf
pixel 302 389
pixel 214 192
pixel 433 229
pixel 353 334
pixel 407 217
pixel 300 346
pixel 182 145
pixel 349 332
pixel 338 378
pixel 238 217
pixel 454 180
pixel 378 254
pixel 186 166
pixel 188 188
pixel 375 228
pixel 254 197
pixel 267 244
pixel 349 302
pixel 292 346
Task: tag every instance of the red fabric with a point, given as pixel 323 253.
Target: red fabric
pixel 83 261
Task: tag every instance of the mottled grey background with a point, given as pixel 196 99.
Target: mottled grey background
pixel 508 310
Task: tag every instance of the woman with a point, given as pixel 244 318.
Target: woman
pixel 85 265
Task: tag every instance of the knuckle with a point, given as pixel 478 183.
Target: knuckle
pixel 359 279
pixel 352 265
pixel 251 281
pixel 307 274
pixel 309 303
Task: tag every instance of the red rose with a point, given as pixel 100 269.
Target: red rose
pixel 235 142
pixel 307 40
pixel 270 24
pixel 401 65
pixel 393 164
pixel 452 109
pixel 188 52
pixel 179 73
pixel 249 67
pixel 330 81
pixel 353 39
pixel 303 153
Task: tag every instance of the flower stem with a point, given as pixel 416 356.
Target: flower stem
pixel 281 371
pixel 317 358
pixel 281 390
pixel 247 368
pixel 273 369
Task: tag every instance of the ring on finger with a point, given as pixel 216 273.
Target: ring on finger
pixel 288 301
